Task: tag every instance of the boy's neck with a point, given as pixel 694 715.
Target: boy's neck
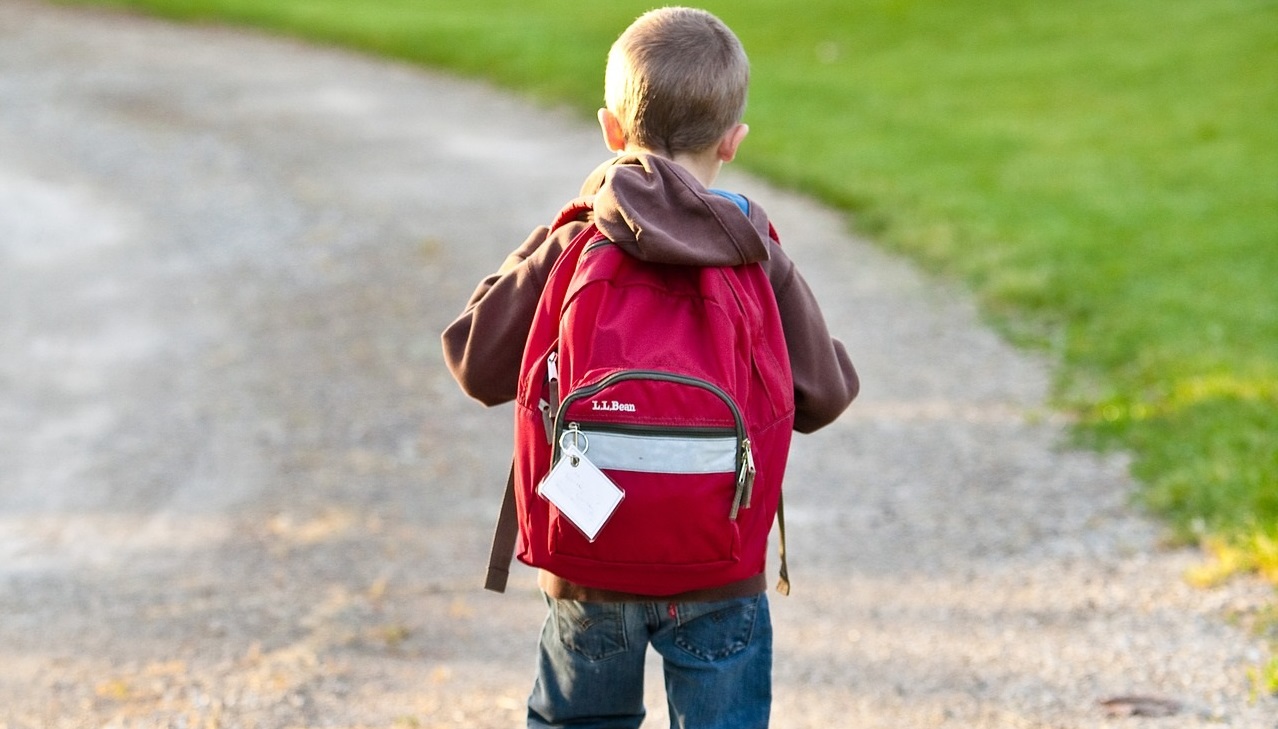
pixel 704 166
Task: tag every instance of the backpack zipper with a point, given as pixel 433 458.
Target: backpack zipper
pixel 597 242
pixel 745 469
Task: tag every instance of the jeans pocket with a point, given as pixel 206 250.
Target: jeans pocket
pixel 713 631
pixel 594 631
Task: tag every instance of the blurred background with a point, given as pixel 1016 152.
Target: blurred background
pixel 234 416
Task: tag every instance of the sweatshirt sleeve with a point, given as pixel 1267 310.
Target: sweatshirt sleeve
pixel 825 382
pixel 484 346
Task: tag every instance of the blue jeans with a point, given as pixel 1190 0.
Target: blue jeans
pixel 717 661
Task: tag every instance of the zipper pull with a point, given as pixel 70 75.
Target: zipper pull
pixel 547 421
pixel 552 380
pixel 745 480
pixel 549 408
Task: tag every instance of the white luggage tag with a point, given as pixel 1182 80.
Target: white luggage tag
pixel 581 492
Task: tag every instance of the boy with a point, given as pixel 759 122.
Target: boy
pixel 675 89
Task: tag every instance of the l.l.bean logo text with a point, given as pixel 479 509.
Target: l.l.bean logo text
pixel 612 406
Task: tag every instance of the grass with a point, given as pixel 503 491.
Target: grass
pixel 1102 174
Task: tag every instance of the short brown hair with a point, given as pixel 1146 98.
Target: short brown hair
pixel 677 80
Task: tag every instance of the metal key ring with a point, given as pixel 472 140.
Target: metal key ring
pixel 579 443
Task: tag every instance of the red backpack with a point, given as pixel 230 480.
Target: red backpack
pixel 674 383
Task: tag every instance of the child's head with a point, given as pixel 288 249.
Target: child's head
pixel 676 81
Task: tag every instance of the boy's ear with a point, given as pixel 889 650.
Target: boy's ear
pixel 731 141
pixel 614 135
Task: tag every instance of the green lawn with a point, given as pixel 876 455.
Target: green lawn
pixel 1103 175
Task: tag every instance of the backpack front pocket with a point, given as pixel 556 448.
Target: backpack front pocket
pixel 680 473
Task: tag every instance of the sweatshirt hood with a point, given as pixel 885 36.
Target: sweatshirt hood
pixel 656 211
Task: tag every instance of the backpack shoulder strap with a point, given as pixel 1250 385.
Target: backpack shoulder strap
pixel 504 535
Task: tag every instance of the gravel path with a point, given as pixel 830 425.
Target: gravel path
pixel 238 489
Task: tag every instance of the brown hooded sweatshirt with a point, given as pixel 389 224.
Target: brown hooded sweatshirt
pixel 657 211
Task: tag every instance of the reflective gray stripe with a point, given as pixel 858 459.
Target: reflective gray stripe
pixel 661 453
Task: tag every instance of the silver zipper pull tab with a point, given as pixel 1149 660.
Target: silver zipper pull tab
pixel 547 421
pixel 549 406
pixel 745 480
pixel 552 382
